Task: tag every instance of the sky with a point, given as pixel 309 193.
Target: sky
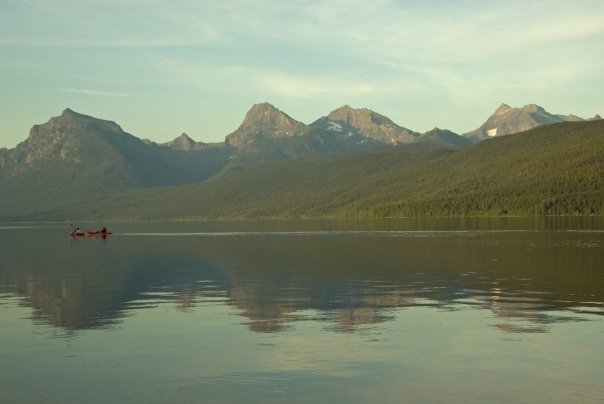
pixel 162 68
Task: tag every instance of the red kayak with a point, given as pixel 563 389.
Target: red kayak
pixel 98 233
pixel 77 233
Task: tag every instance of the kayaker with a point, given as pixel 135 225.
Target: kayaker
pixel 76 231
pixel 104 230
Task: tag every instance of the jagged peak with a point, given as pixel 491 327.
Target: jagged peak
pixel 182 142
pixel 263 120
pixel 70 113
pixel 347 109
pixel 529 108
pixel 263 105
pixel 437 131
pixel 263 109
pixel 259 112
pixel 184 136
pixel 533 108
pixel 502 109
pixel 345 112
pixel 359 116
pixel 70 117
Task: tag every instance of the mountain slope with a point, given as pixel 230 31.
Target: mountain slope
pixel 185 143
pixel 553 169
pixel 263 121
pixel 506 120
pixel 366 123
pixel 313 141
pixel 329 168
pixel 444 137
pixel 76 158
pixel 71 157
pixel 267 134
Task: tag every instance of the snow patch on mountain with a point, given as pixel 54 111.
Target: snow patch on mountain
pixel 334 126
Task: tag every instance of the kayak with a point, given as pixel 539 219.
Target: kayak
pixel 98 233
pixel 77 233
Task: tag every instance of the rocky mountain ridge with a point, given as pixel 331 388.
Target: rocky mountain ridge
pixel 185 143
pixel 507 120
pixel 93 150
pixel 76 162
pixel 75 157
pixel 370 124
pixel 62 136
pixel 264 121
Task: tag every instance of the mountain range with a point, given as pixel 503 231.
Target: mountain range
pixel 75 161
pixel 506 120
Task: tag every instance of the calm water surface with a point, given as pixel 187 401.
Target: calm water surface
pixel 385 311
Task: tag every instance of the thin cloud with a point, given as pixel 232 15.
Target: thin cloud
pixel 384 31
pixel 291 85
pixel 408 56
pixel 95 92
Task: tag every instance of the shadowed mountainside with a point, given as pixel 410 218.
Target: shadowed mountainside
pixel 551 170
pixel 349 163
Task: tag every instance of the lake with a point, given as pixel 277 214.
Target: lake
pixel 505 310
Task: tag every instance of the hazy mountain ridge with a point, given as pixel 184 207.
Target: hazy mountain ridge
pixel 550 170
pixel 507 120
pixel 263 121
pixel 268 134
pixel 60 139
pixel 187 144
pixel 444 137
pixel 74 158
pixel 371 125
pixel 91 142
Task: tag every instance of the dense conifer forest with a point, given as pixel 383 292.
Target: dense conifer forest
pixel 551 170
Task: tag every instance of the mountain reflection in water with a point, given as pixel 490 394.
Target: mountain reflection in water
pixel 346 279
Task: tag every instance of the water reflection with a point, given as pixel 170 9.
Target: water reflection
pixel 346 279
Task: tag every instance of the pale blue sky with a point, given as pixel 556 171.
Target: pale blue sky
pixel 160 68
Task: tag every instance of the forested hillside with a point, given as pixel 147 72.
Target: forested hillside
pixel 551 170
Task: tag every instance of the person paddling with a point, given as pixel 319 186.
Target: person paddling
pixel 76 231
